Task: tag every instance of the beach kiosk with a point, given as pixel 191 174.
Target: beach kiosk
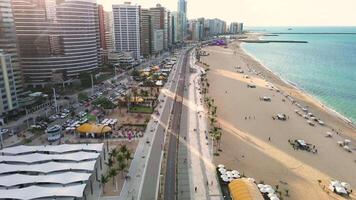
pixel 54 133
pixel 244 189
pixel 94 130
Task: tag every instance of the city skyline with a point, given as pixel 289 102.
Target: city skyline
pixel 257 13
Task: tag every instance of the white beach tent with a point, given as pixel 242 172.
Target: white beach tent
pixel 36 192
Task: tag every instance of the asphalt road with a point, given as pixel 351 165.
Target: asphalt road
pixel 171 167
pixel 151 177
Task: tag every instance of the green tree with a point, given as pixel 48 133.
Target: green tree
pixel 82 96
pixel 104 180
pixel 128 156
pixel 113 174
pixel 123 148
pixel 122 167
pixel 104 103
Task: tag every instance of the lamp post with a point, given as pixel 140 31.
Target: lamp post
pixel 55 99
pixel 107 142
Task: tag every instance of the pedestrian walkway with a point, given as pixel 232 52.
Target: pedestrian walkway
pixel 203 183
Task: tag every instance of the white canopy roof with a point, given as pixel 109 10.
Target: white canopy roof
pixel 53 149
pixel 58 178
pixel 47 167
pixel 37 157
pixel 34 192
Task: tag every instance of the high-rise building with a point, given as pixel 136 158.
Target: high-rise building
pixel 178 27
pixel 8 47
pixel 146 34
pixel 182 19
pixel 174 22
pixel 102 34
pixel 127 28
pixel 160 22
pixel 215 26
pixel 8 94
pixel 236 28
pixel 109 31
pixel 57 40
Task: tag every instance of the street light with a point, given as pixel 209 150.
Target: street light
pixel 55 99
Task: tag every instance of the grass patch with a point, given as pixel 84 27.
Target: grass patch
pixel 141 109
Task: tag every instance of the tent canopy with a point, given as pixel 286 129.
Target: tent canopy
pixel 243 189
pixel 93 128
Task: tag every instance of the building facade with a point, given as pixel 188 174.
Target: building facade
pixel 109 31
pixel 127 28
pixel 182 18
pixel 8 94
pixel 160 21
pixel 56 39
pixel 102 34
pixel 145 32
pixel 11 82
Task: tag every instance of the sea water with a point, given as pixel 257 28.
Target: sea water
pixel 325 67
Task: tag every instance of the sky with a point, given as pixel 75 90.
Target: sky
pixel 263 12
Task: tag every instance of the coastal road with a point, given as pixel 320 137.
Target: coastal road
pixel 171 167
pixel 151 175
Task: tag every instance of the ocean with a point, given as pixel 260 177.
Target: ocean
pixel 325 67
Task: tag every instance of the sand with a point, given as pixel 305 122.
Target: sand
pixel 245 144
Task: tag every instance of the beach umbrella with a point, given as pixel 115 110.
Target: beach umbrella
pixel 223 176
pixel 229 174
pixel 347 141
pixel 274 198
pixel 268 186
pixel 270 190
pixel 235 176
pixel 263 190
pixel 221 166
pixel 271 195
pixel 222 170
pixel 235 172
pixel 260 186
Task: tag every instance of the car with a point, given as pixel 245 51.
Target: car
pixel 3 131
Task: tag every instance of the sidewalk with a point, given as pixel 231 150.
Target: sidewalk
pixel 200 160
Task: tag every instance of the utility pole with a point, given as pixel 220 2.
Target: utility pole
pixel 92 84
pixel 55 99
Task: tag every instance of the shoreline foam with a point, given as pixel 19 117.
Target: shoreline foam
pixel 317 101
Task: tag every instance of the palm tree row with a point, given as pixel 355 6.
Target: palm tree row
pixel 215 131
pixel 118 161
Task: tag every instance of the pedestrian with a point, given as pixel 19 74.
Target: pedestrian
pixel 269 138
pixel 207 183
pixel 212 182
pixel 195 189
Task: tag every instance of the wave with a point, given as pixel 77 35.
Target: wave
pixel 329 108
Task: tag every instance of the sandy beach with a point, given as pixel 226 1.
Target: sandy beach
pixel 257 145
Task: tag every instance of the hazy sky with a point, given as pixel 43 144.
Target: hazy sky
pixel 264 12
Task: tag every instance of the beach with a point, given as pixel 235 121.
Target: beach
pixel 257 145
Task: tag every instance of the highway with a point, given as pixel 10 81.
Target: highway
pixel 171 167
pixel 150 184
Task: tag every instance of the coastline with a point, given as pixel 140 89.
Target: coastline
pixel 258 145
pixel 317 101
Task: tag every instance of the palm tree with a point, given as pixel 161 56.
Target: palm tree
pixel 104 180
pixel 110 162
pixel 122 167
pixel 123 148
pixel 120 157
pixel 127 156
pixel 113 174
pixel 113 153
